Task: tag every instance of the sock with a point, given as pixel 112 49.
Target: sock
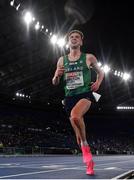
pixel 84 143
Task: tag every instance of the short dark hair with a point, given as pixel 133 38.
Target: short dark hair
pixel 76 31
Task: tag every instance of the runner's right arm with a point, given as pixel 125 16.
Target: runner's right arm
pixel 59 72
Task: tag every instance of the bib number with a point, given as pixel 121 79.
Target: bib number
pixel 74 80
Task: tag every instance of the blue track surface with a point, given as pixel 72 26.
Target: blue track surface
pixel 63 167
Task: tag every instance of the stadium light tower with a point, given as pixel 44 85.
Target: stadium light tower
pixel 106 69
pixel 53 39
pixel 37 26
pixel 12 3
pixel 42 27
pixel 46 31
pixel 61 42
pixel 99 64
pixel 126 76
pixel 17 94
pixel 18 6
pixel 28 17
pixel 125 107
pixel 67 46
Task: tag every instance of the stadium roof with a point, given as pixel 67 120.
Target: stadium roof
pixel 28 59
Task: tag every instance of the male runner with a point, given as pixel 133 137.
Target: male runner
pixel 75 69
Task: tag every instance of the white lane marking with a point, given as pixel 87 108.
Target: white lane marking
pixel 118 162
pixel 124 174
pixel 53 166
pixel 38 172
pixel 39 164
pixel 61 164
pixel 110 168
pixel 29 163
pixel 66 163
pixel 119 159
pixel 43 164
pixel 54 170
pixel 31 173
pixel 9 164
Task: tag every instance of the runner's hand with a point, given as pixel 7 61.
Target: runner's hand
pixel 95 86
pixel 59 71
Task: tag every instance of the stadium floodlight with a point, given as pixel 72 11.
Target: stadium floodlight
pixel 46 30
pixel 28 17
pixel 99 64
pixel 33 19
pixel 67 46
pixel 17 8
pixel 115 72
pixel 12 3
pixel 37 26
pixel 17 94
pixel 61 42
pixel 106 68
pixel 125 107
pixel 51 33
pixel 119 73
pixel 53 39
pixel 42 27
pixel 126 76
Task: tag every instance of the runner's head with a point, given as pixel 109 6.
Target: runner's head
pixel 75 39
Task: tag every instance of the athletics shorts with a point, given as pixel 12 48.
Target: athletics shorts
pixel 71 101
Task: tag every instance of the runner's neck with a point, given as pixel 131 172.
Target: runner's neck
pixel 74 55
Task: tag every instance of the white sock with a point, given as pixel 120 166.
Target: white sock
pixel 84 143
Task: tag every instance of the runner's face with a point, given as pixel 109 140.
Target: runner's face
pixel 75 40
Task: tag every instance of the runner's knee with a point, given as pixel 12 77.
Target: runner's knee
pixel 75 119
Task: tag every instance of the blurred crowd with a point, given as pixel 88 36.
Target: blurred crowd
pixel 13 136
pixel 47 130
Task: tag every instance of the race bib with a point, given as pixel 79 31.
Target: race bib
pixel 74 79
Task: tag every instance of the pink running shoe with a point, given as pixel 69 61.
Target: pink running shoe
pixel 90 168
pixel 87 156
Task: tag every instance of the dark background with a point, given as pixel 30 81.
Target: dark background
pixel 28 60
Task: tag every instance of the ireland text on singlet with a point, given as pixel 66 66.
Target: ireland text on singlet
pixel 77 76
